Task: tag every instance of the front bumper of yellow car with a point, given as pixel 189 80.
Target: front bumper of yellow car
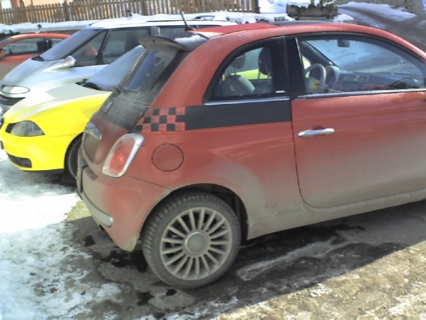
pixel 41 153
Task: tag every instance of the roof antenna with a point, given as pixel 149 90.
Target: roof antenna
pixel 244 15
pixel 187 27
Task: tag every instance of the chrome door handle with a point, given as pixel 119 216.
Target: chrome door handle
pixel 313 133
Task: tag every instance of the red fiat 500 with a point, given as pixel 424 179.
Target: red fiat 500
pixel 225 134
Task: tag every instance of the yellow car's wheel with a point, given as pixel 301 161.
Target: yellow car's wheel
pixel 71 158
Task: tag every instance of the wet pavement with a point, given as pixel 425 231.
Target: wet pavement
pixel 371 265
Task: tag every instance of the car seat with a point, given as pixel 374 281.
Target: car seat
pixel 265 66
pixel 235 84
pixel 265 69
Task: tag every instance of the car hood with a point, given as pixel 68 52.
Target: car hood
pixel 41 76
pixel 21 71
pixel 36 104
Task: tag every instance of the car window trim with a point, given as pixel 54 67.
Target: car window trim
pixel 247 101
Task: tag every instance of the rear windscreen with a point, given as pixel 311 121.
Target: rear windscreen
pixel 146 80
pixel 112 75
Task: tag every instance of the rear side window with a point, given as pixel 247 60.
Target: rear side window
pixel 251 73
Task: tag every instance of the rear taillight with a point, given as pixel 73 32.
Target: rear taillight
pixel 121 155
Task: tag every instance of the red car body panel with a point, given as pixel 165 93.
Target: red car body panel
pixel 8 62
pixel 282 180
pixel 375 136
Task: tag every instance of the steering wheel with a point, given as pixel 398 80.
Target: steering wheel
pixel 332 74
pixel 316 85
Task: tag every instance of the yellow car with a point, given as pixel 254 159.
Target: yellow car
pixel 43 131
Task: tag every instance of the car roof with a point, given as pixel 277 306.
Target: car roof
pixel 290 27
pixel 189 40
pixel 38 35
pixel 137 22
pixel 286 28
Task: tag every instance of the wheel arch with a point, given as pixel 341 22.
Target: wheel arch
pixel 69 146
pixel 225 194
pixel 65 160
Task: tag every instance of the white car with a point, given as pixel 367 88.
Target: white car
pixel 84 54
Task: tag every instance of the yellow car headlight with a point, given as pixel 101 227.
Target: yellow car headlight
pixel 26 129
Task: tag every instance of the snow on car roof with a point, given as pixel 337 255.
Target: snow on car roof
pixel 128 22
pixel 292 27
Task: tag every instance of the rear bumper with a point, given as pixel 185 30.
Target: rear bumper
pixel 119 205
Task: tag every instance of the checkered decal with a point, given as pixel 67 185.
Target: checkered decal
pixel 159 120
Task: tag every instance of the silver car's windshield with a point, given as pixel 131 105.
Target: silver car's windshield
pixel 69 45
pixel 113 74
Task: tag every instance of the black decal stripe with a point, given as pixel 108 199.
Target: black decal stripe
pixel 215 116
pixel 238 114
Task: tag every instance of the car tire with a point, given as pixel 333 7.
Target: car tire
pixel 71 158
pixel 191 239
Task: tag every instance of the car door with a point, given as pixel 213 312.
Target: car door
pixel 359 120
pixel 249 113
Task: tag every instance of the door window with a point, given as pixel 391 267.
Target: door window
pixel 336 64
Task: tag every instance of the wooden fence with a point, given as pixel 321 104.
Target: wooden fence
pixel 80 10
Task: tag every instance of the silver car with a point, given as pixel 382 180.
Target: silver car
pixel 84 54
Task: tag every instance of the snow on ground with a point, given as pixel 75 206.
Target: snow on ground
pixel 386 10
pixel 35 248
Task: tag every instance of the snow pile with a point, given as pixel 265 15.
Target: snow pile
pixel 36 250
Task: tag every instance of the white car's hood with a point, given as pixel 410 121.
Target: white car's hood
pixel 39 76
pixel 55 97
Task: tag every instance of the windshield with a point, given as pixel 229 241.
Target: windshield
pixel 112 75
pixel 69 45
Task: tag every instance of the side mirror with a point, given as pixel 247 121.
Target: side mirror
pixel 341 43
pixel 2 54
pixel 66 63
pixel 69 62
